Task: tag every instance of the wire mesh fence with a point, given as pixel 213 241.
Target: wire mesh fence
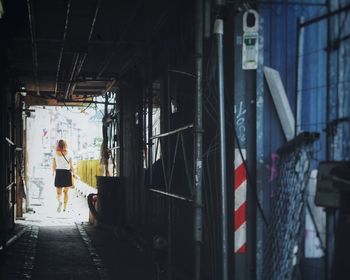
pixel 285 235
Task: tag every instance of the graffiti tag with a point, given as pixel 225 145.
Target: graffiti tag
pixel 240 113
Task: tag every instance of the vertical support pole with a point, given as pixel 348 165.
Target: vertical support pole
pixel 25 160
pixel 299 87
pixel 167 167
pixel 240 126
pixel 245 159
pixel 150 117
pixel 19 170
pixel 3 168
pixel 260 167
pixel 219 31
pixel 330 213
pixel 198 131
pixel 121 131
pixel 13 159
pixel 105 138
pixel 250 89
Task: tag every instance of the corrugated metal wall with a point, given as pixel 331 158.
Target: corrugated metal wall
pixel 318 70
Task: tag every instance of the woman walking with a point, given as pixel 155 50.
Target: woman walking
pixel 63 167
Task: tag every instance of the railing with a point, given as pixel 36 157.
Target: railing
pixel 168 181
pixel 171 203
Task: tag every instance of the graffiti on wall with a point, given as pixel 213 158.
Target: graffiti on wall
pixel 240 121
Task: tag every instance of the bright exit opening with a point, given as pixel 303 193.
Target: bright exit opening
pixel 81 128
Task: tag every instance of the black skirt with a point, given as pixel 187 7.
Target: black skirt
pixel 63 178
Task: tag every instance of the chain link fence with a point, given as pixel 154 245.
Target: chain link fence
pixel 286 228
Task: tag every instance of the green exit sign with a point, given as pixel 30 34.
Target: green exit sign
pixel 250 41
pixel 250 50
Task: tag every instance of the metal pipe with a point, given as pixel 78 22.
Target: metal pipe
pixel 14 238
pixel 198 134
pixel 150 117
pixel 105 139
pixel 172 131
pixel 299 87
pixel 167 143
pixel 52 41
pixel 85 101
pixel 182 72
pixel 13 172
pixel 171 195
pixel 9 141
pixel 9 187
pixel 3 155
pixel 219 31
pixel 109 56
pixel 282 3
pixel 260 162
pixel 62 48
pixel 326 16
pixel 34 48
pixel 184 154
pixel 108 87
pixel 114 148
pixel 329 213
pixel 75 63
pixel 82 61
pixel 173 162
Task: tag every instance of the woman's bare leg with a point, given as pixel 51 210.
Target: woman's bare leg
pixel 65 198
pixel 59 195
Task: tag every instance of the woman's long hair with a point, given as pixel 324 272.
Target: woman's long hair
pixel 61 146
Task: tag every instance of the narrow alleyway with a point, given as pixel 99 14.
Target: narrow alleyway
pixel 65 246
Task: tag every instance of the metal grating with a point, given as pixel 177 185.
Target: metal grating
pixel 285 233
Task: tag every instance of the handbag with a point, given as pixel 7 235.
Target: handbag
pixel 73 178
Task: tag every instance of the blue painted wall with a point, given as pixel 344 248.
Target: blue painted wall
pixel 281 53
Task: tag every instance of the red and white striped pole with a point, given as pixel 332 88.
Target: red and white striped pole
pixel 240 184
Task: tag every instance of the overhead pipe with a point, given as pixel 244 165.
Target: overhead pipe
pixel 198 134
pixel 55 42
pixel 328 15
pixel 34 48
pixel 74 67
pixel 62 48
pixel 109 85
pixel 219 31
pixel 109 57
pixel 83 58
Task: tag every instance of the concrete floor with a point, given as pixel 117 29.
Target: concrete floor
pixel 65 246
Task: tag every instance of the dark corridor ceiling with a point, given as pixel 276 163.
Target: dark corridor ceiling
pixel 62 49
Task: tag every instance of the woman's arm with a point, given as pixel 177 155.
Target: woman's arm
pixel 71 166
pixel 53 166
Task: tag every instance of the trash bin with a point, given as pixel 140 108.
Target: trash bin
pixel 110 206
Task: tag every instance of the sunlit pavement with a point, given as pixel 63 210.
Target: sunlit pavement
pixel 62 245
pixel 55 245
pixel 44 210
